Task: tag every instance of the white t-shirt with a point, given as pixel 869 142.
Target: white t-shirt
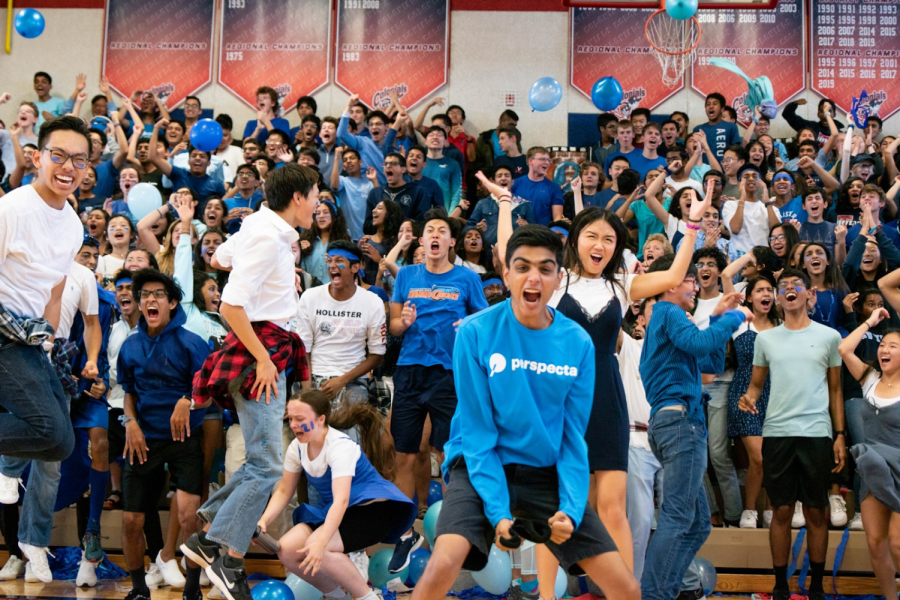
pixel 704 311
pixel 673 226
pixel 118 333
pixel 868 386
pixel 38 245
pixel 108 265
pixel 80 295
pixel 459 262
pixel 337 334
pixel 635 396
pixel 755 228
pixel 594 294
pixel 339 452
pixel 691 183
pixel 232 157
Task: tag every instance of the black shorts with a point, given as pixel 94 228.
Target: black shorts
pixel 534 495
pixel 115 433
pixel 419 392
pixel 369 524
pixel 797 468
pixel 142 484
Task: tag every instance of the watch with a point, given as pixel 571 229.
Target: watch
pixel 841 432
pixel 193 404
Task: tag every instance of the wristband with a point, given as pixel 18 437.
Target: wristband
pixel 692 226
pixel 841 432
pixel 193 404
pixel 124 420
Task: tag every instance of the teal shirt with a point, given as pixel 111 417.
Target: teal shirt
pixel 647 222
pixel 208 326
pixel 798 362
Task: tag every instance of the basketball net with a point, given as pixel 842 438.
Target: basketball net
pixel 673 44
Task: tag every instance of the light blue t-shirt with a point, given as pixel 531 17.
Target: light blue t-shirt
pixel 440 300
pixel 645 165
pixel 54 106
pixel 793 210
pixel 352 194
pixel 798 362
pixel 542 424
pixel 445 171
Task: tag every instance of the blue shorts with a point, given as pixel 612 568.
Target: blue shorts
pixel 93 413
pixel 421 392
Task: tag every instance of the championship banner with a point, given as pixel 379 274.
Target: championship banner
pixel 280 43
pixel 164 47
pixel 766 42
pixel 392 45
pixel 610 41
pixel 854 47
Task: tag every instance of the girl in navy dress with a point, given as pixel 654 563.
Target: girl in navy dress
pixel 358 507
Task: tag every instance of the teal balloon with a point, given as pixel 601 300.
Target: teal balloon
pixel 272 589
pixel 143 199
pixel 378 569
pixel 562 583
pixel 418 560
pixel 496 577
pixel 681 10
pixel 707 574
pixel 545 94
pixel 429 523
pixel 302 590
pixel 607 94
pixel 206 135
pixel 29 23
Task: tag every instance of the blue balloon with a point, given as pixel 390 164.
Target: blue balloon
pixel 378 569
pixel 545 94
pixel 681 10
pixel 143 199
pixel 429 523
pixel 496 577
pixel 272 589
pixel 435 492
pixel 562 583
pixel 302 590
pixel 29 23
pixel 707 574
pixel 607 94
pixel 206 135
pixel 418 560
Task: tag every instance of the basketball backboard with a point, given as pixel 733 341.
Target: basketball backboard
pixel 713 4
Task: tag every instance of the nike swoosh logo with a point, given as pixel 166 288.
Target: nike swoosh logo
pixel 209 559
pixel 230 584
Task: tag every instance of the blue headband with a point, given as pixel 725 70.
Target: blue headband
pixel 331 204
pixel 122 281
pixel 559 230
pixel 361 273
pixel 783 176
pixel 344 253
pixel 490 282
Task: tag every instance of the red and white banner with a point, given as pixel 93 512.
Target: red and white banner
pixel 854 47
pixel 610 41
pixel 392 45
pixel 283 44
pixel 761 42
pixel 163 46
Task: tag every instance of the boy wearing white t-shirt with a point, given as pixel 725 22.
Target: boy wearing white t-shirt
pixel 749 220
pixel 40 235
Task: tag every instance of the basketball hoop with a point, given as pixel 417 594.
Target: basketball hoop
pixel 673 43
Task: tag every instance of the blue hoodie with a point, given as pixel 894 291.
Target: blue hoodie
pixel 107 309
pixel 159 371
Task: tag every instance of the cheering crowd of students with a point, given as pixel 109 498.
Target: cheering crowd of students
pixel 364 294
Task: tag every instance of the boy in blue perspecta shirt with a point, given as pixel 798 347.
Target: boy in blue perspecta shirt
pixel 675 353
pixel 516 462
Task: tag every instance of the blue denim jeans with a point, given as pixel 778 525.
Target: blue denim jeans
pixel 37 426
pixel 644 474
pixel 683 523
pixel 236 507
pixel 853 414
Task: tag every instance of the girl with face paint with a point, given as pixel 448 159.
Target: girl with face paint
pixel 357 506
pixel 328 225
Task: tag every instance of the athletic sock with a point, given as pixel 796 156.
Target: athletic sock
pixel 98 481
pixel 192 581
pixel 370 596
pixel 337 592
pixel 816 572
pixel 405 537
pixel 232 562
pixel 781 583
pixel 137 580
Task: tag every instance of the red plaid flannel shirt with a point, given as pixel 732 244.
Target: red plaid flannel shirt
pixel 233 360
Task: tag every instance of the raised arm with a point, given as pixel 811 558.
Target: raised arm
pixel 184 267
pixel 136 132
pixel 420 118
pixel 144 226
pixel 887 156
pixel 15 178
pixel 79 101
pixel 828 181
pixel 159 161
pixel 889 285
pixel 711 157
pixel 751 129
pixel 848 345
pixel 336 169
pixel 832 129
pixel 651 198
pixel 576 195
pixel 163 111
pixel 845 153
pixel 504 220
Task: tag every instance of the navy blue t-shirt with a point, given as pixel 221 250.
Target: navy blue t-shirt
pixel 204 187
pixel 107 176
pixel 543 195
pixel 518 165
pixel 719 137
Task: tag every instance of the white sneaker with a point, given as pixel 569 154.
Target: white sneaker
pixel 170 572
pixel 154 578
pixel 767 519
pixel 855 525
pixel 361 560
pixel 13 569
pixel 799 520
pixel 30 577
pixel 749 519
pixel 838 510
pixel 37 558
pixel 9 489
pixel 87 574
